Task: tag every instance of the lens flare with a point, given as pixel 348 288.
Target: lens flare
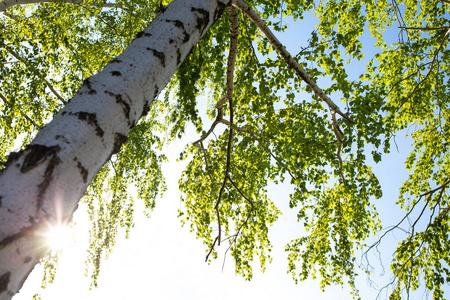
pixel 59 237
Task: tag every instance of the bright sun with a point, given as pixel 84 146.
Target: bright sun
pixel 59 237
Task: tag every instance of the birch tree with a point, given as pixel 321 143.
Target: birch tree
pixel 102 136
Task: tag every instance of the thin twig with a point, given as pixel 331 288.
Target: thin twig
pixel 211 248
pixel 423 28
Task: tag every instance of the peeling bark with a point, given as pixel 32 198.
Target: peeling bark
pixel 43 183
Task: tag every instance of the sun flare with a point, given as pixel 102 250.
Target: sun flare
pixel 59 237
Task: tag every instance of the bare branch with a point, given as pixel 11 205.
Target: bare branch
pixel 211 249
pixel 236 128
pixel 424 28
pixel 287 56
pixel 22 113
pixel 234 33
pixel 18 57
pixel 211 129
pixel 443 186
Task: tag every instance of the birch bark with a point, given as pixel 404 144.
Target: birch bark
pixel 42 184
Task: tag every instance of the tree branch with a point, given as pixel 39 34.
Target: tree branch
pixel 234 33
pixel 230 76
pixel 18 57
pixel 424 28
pixel 287 56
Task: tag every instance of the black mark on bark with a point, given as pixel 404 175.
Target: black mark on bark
pixel 202 20
pixel 37 154
pixel 24 232
pixel 123 103
pixel 160 55
pixel 156 91
pixel 119 139
pixel 178 57
pixel 219 10
pixel 27 259
pixel 147 34
pixel 61 137
pixel 83 171
pixel 13 157
pixel 161 9
pixel 146 109
pixel 171 41
pixel 91 119
pixel 180 25
pixel 115 60
pixel 48 177
pixel 1 197
pixel 139 34
pixel 4 281
pixel 116 73
pixel 87 83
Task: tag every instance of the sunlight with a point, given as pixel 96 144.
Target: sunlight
pixel 59 237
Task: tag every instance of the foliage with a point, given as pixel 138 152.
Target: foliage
pixel 282 133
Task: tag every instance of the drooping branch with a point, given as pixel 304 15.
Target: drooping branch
pixel 5 4
pixel 48 84
pixel 234 33
pixel 234 26
pixel 21 112
pixel 287 56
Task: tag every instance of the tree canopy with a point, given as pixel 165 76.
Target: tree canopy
pixel 383 69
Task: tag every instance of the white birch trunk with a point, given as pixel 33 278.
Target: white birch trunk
pixel 43 184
